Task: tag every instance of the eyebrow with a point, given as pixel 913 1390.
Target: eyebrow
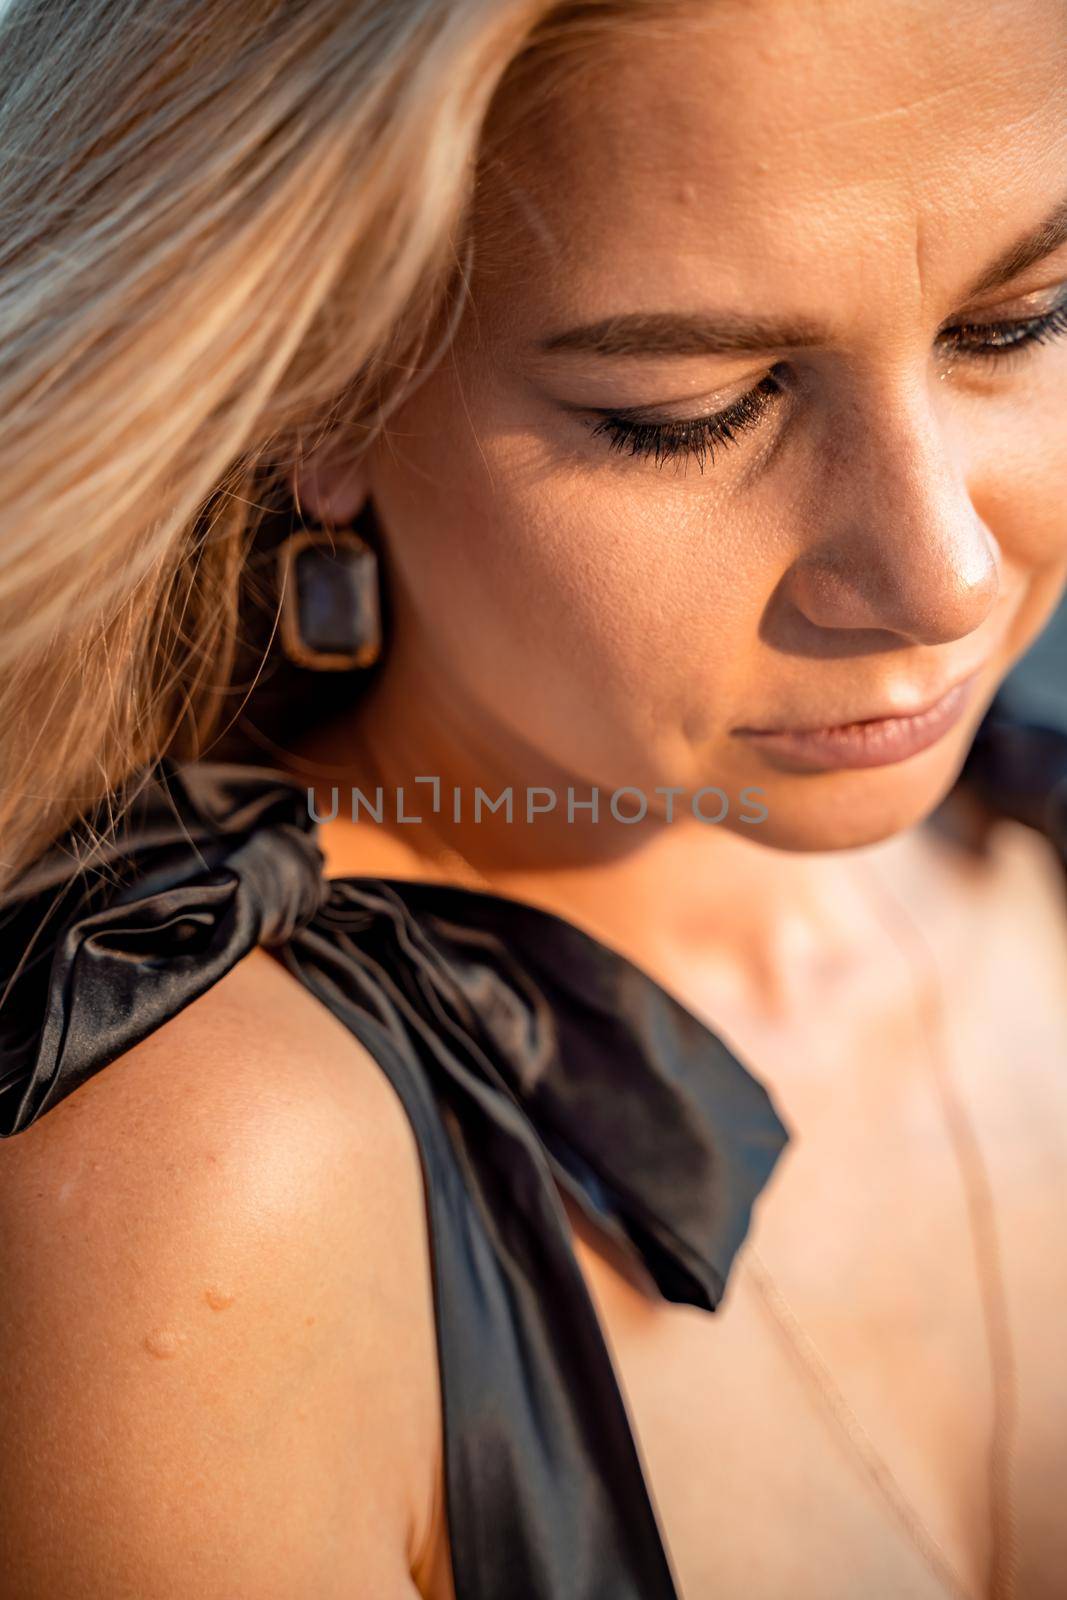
pixel 1034 247
pixel 667 333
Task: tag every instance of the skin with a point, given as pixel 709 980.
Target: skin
pixel 893 524
pixel 565 615
pixel 217 1343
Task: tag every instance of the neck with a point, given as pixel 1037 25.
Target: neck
pixel 768 930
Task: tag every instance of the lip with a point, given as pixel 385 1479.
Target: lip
pixel 870 742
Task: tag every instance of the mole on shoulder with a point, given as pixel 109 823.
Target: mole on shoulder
pixel 163 1343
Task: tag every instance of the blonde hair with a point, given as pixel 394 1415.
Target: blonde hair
pixel 226 235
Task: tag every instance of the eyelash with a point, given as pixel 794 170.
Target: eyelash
pixel 699 438
pixel 702 437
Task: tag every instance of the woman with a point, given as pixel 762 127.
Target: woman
pixel 695 374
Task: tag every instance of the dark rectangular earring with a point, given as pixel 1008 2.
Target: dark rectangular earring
pixel 329 586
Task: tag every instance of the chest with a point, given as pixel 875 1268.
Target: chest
pixel 826 1434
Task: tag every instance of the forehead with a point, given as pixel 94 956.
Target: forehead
pixel 819 142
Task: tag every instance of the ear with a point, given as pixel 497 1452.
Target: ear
pixel 330 484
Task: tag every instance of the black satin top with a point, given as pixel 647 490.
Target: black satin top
pixel 526 1054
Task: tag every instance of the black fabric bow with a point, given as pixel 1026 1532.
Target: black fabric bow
pixel 207 863
pixel 528 1056
pixel 651 1122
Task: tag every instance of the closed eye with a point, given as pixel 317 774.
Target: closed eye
pixel 699 438
pixel 994 340
pixel 703 438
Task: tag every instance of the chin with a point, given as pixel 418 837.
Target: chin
pixel 846 810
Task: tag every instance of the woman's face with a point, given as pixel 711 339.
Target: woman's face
pixel 827 209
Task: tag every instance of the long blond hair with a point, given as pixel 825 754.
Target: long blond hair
pixel 229 229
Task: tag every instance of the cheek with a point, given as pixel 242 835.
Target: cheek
pixel 1020 492
pixel 1028 514
pixel 602 599
pixel 1019 478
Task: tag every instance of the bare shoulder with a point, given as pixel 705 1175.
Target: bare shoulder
pixel 1003 943
pixel 217 1360
pixel 1033 874
pixel 1020 910
pixel 996 869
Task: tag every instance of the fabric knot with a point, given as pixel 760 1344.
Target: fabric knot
pixel 282 871
pixel 207 863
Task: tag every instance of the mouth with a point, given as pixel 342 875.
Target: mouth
pixel 869 741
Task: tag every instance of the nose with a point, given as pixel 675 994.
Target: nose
pixel 898 546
